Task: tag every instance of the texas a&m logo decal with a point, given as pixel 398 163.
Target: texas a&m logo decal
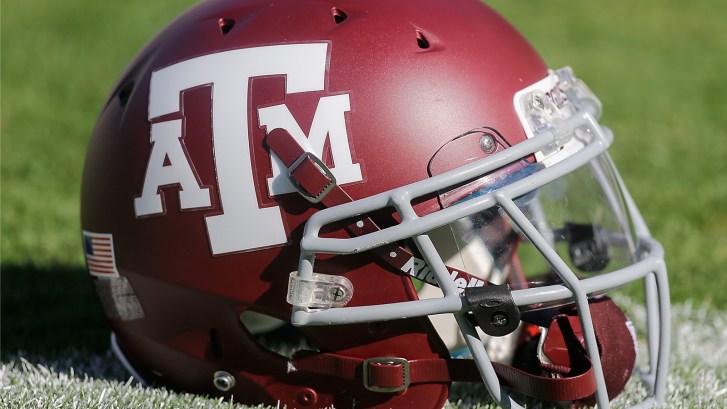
pixel 229 74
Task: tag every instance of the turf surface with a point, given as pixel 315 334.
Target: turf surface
pixel 80 380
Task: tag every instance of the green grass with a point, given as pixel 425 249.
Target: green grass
pixel 59 61
pixel 659 67
pixel 58 64
pixel 82 381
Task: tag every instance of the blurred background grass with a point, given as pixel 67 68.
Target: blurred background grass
pixel 659 67
pixel 660 70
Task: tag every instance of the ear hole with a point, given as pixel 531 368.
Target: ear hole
pixel 275 335
pixel 422 41
pixel 225 25
pixel 338 15
pixel 125 93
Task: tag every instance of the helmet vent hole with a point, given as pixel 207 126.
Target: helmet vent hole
pixel 125 93
pixel 226 25
pixel 338 15
pixel 422 41
pixel 215 343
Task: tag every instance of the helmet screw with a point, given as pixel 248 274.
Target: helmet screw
pixel 337 293
pixel 223 381
pixel 499 319
pixel 537 102
pixel 487 143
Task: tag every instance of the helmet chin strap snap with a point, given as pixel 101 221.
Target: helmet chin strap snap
pixel 494 309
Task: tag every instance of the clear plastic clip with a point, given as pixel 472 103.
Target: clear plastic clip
pixel 555 106
pixel 321 291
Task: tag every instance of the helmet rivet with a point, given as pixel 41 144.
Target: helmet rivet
pixel 499 319
pixel 223 381
pixel 487 143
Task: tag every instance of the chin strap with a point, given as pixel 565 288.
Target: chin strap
pixel 316 183
pixel 390 374
pixel 564 374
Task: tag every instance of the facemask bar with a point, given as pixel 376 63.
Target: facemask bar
pixel 658 306
pixel 595 141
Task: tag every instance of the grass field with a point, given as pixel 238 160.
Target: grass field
pixel 81 380
pixel 659 67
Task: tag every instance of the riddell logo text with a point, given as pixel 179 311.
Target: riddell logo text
pixel 418 269
pixel 243 225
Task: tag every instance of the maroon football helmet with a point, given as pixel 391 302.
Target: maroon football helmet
pixel 358 203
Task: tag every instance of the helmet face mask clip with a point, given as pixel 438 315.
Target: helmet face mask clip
pixel 422 213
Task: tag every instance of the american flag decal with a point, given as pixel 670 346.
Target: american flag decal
pixel 99 248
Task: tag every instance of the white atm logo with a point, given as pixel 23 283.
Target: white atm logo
pixel 243 225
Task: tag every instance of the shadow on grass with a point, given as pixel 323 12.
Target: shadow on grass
pixel 49 309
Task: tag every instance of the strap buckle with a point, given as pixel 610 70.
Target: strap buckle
pixel 389 361
pixel 302 166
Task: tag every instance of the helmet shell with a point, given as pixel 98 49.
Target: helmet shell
pixel 415 75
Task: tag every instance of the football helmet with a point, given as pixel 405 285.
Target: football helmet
pixel 356 204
